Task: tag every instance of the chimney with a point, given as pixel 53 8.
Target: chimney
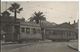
pixel 78 21
pixel 69 22
pixel 74 22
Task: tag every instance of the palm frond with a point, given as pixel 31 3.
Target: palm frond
pixel 15 5
pixel 20 9
pixel 38 16
pixel 11 9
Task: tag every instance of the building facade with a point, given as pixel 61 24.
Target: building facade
pixel 7 26
pixel 22 30
pixel 30 30
pixel 63 31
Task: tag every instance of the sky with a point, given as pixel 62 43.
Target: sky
pixel 54 11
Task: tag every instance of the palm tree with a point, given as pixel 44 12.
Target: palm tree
pixel 37 17
pixel 15 7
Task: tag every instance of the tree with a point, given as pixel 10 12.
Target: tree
pixel 37 17
pixel 15 7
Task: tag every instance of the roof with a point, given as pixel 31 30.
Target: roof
pixel 29 24
pixel 47 24
pixel 65 25
pixel 75 25
pixel 42 24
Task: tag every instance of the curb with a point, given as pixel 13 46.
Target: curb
pixel 72 47
pixel 7 43
pixel 19 45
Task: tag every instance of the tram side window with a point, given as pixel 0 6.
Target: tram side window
pixel 22 29
pixel 34 30
pixel 27 30
pixel 38 30
pixel 47 32
pixel 54 32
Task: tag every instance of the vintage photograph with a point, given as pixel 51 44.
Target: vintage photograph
pixel 39 26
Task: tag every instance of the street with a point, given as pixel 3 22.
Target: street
pixel 41 47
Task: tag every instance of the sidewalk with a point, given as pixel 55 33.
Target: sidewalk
pixel 73 45
pixel 7 43
pixel 14 46
pixel 45 41
pixel 11 44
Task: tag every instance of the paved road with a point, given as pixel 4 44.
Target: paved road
pixel 43 47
